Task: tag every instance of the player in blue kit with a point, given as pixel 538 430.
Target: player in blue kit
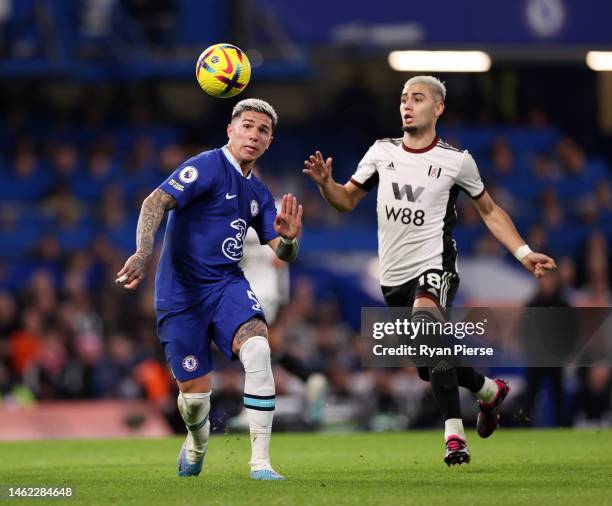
pixel 201 294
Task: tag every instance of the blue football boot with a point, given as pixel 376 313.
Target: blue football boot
pixel 268 474
pixel 185 468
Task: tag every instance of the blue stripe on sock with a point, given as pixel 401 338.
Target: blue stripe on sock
pixel 259 403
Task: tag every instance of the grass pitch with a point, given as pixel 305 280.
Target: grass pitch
pixel 512 467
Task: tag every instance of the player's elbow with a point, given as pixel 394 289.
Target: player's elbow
pixel 346 205
pixel 494 217
pixel 158 199
pixel 488 209
pixel 153 198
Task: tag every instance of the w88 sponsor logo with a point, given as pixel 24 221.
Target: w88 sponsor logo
pixel 405 215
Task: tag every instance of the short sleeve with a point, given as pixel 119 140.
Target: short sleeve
pixel 264 221
pixel 366 175
pixel 191 179
pixel 468 177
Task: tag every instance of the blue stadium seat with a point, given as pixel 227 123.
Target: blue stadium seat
pixel 31 188
pixel 17 243
pixel 88 187
pixel 76 237
pixel 532 139
pixel 567 239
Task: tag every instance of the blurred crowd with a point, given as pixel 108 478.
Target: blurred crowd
pixel 102 29
pixel 70 195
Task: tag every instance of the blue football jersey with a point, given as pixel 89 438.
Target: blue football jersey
pixel 205 233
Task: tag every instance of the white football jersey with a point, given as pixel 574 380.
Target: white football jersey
pixel 269 278
pixel 417 191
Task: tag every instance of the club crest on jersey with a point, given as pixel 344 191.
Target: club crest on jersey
pixel 254 208
pixel 434 172
pixel 188 174
pixel 190 363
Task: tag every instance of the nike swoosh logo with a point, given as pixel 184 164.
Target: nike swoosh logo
pixel 229 197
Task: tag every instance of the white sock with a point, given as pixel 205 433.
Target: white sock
pixel 488 391
pixel 194 409
pixel 454 427
pixel 259 398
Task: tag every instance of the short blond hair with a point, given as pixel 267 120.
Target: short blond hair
pixel 435 85
pixel 257 105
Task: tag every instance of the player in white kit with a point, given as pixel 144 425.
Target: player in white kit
pixel 267 275
pixel 269 280
pixel 419 178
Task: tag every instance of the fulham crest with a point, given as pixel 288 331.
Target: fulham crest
pixel 434 172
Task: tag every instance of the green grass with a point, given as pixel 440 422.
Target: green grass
pixel 513 467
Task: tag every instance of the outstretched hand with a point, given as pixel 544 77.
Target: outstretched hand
pixel 538 263
pixel 288 222
pixel 318 169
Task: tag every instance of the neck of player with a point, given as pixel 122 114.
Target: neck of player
pixel 244 166
pixel 419 139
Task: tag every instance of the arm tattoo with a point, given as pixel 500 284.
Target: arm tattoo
pixel 151 214
pixel 253 327
pixel 287 252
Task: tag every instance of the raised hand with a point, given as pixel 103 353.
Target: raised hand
pixel 318 169
pixel 288 222
pixel 538 263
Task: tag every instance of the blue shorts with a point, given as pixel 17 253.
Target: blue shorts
pixel 186 334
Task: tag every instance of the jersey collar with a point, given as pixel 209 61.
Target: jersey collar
pixel 234 162
pixel 422 150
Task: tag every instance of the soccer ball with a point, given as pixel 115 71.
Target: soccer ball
pixel 223 70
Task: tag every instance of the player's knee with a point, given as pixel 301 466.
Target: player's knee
pixel 255 354
pixel 193 407
pixel 196 385
pixel 258 378
pixel 428 331
pixel 427 302
pixel 251 328
pixel 423 315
